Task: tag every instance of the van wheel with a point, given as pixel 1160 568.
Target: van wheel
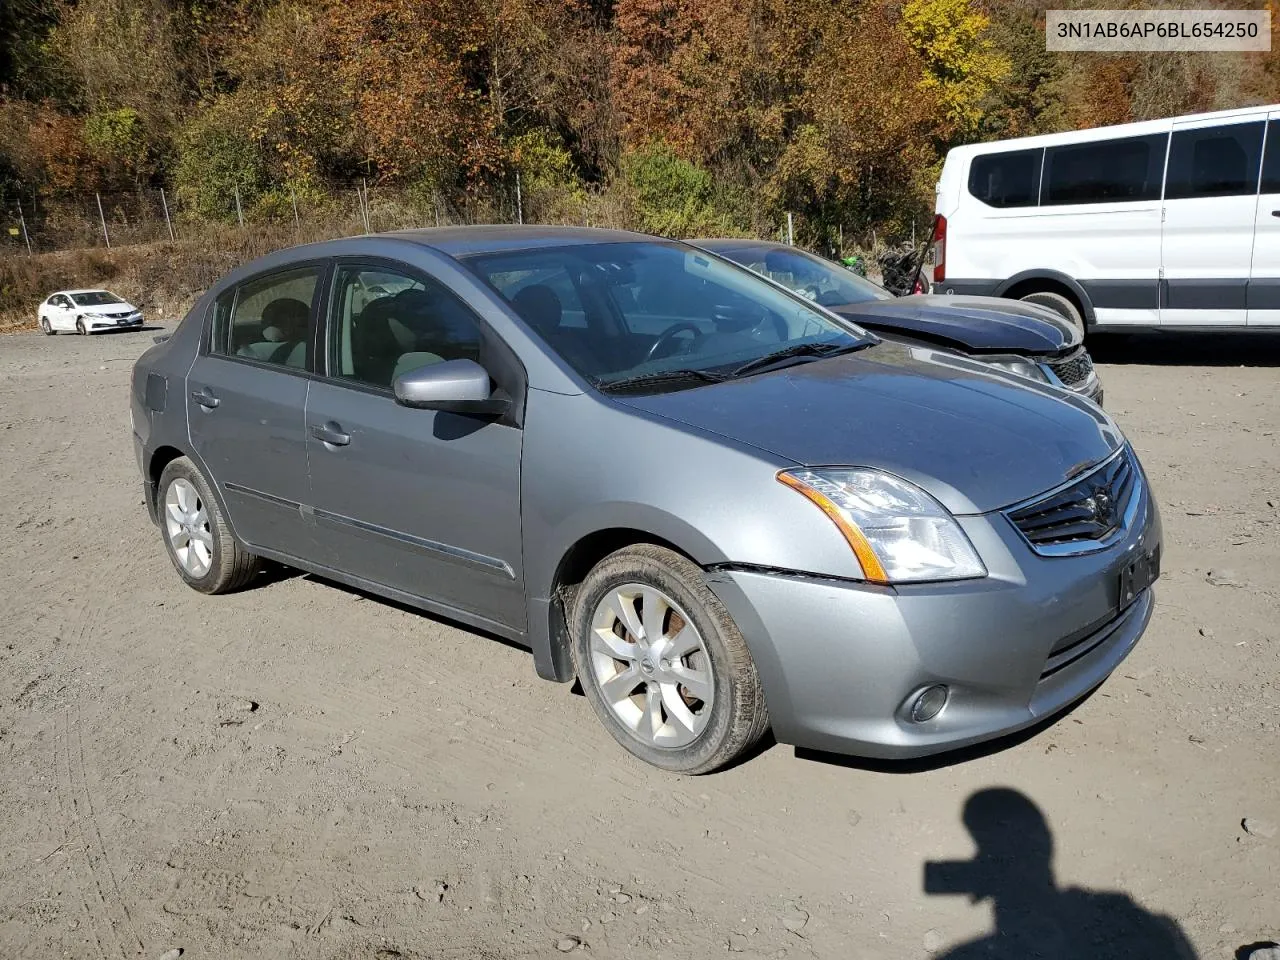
pixel 200 544
pixel 663 664
pixel 1058 304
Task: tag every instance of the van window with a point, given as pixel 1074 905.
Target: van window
pixel 1271 160
pixel 1105 171
pixel 1215 161
pixel 1010 179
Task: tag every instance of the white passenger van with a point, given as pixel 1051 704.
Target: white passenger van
pixel 1166 223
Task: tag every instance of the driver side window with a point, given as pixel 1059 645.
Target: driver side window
pixel 386 323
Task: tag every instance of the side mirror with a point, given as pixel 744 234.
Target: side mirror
pixel 455 386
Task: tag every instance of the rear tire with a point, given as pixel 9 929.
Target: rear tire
pixel 643 669
pixel 80 328
pixel 1060 305
pixel 200 544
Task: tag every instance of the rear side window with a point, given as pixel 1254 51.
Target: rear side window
pixel 1215 161
pixel 1271 160
pixel 1006 179
pixel 1105 171
pixel 268 319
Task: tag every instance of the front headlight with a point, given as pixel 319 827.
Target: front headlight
pixel 898 532
pixel 1021 366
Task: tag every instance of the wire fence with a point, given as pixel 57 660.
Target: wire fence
pixel 45 222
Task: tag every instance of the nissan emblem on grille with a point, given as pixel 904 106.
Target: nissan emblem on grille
pixel 1082 514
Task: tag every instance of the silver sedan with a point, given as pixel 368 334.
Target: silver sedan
pixel 717 504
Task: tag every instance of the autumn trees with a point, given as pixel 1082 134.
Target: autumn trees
pixel 680 116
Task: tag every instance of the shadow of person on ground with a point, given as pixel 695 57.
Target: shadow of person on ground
pixel 1034 917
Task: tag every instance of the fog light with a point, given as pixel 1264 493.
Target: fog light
pixel 929 703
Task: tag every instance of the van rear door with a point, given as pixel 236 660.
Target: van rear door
pixel 1264 278
pixel 1210 205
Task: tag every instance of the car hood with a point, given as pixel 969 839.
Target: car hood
pixel 107 309
pixel 976 324
pixel 976 440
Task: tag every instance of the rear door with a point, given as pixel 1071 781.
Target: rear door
pixel 423 502
pixel 1264 277
pixel 246 399
pixel 1210 206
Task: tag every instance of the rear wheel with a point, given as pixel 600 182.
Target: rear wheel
pixel 200 544
pixel 80 328
pixel 1058 304
pixel 663 664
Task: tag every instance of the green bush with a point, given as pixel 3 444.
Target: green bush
pixel 216 155
pixel 675 198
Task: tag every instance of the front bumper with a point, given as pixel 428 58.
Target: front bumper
pixel 841 661
pixel 96 324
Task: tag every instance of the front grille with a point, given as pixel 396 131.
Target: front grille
pixel 1084 512
pixel 1074 369
pixel 120 313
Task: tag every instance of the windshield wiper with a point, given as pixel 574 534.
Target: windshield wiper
pixel 797 351
pixel 665 376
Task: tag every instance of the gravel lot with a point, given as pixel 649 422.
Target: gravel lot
pixel 301 771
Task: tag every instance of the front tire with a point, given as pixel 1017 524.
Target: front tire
pixel 1058 304
pixel 663 664
pixel 80 328
pixel 45 327
pixel 200 544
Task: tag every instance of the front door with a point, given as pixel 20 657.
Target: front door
pixel 246 400
pixel 1264 277
pixel 423 502
pixel 62 316
pixel 1210 204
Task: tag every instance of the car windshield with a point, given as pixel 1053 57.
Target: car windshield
pixel 819 280
pixel 659 315
pixel 94 298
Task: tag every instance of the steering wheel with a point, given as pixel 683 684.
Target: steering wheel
pixel 669 334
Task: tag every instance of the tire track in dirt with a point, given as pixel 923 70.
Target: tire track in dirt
pixel 109 915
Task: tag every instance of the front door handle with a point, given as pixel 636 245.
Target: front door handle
pixel 205 399
pixel 331 433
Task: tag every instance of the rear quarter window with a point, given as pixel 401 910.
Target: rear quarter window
pixel 1010 179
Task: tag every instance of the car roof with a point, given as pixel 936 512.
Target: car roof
pixel 68 293
pixel 501 238
pixel 453 242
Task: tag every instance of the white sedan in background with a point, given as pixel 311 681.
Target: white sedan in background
pixel 87 311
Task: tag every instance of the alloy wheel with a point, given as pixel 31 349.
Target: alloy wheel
pixel 651 666
pixel 186 524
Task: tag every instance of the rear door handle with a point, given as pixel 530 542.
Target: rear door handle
pixel 331 433
pixel 205 399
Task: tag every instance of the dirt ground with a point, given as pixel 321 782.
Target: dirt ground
pixel 300 771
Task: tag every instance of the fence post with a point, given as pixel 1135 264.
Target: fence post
pixel 842 241
pixel 364 205
pixel 519 201
pixel 167 222
pixel 293 198
pixel 106 236
pixel 23 220
pixel 791 236
pixel 239 212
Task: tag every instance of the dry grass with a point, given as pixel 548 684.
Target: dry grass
pixel 164 278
